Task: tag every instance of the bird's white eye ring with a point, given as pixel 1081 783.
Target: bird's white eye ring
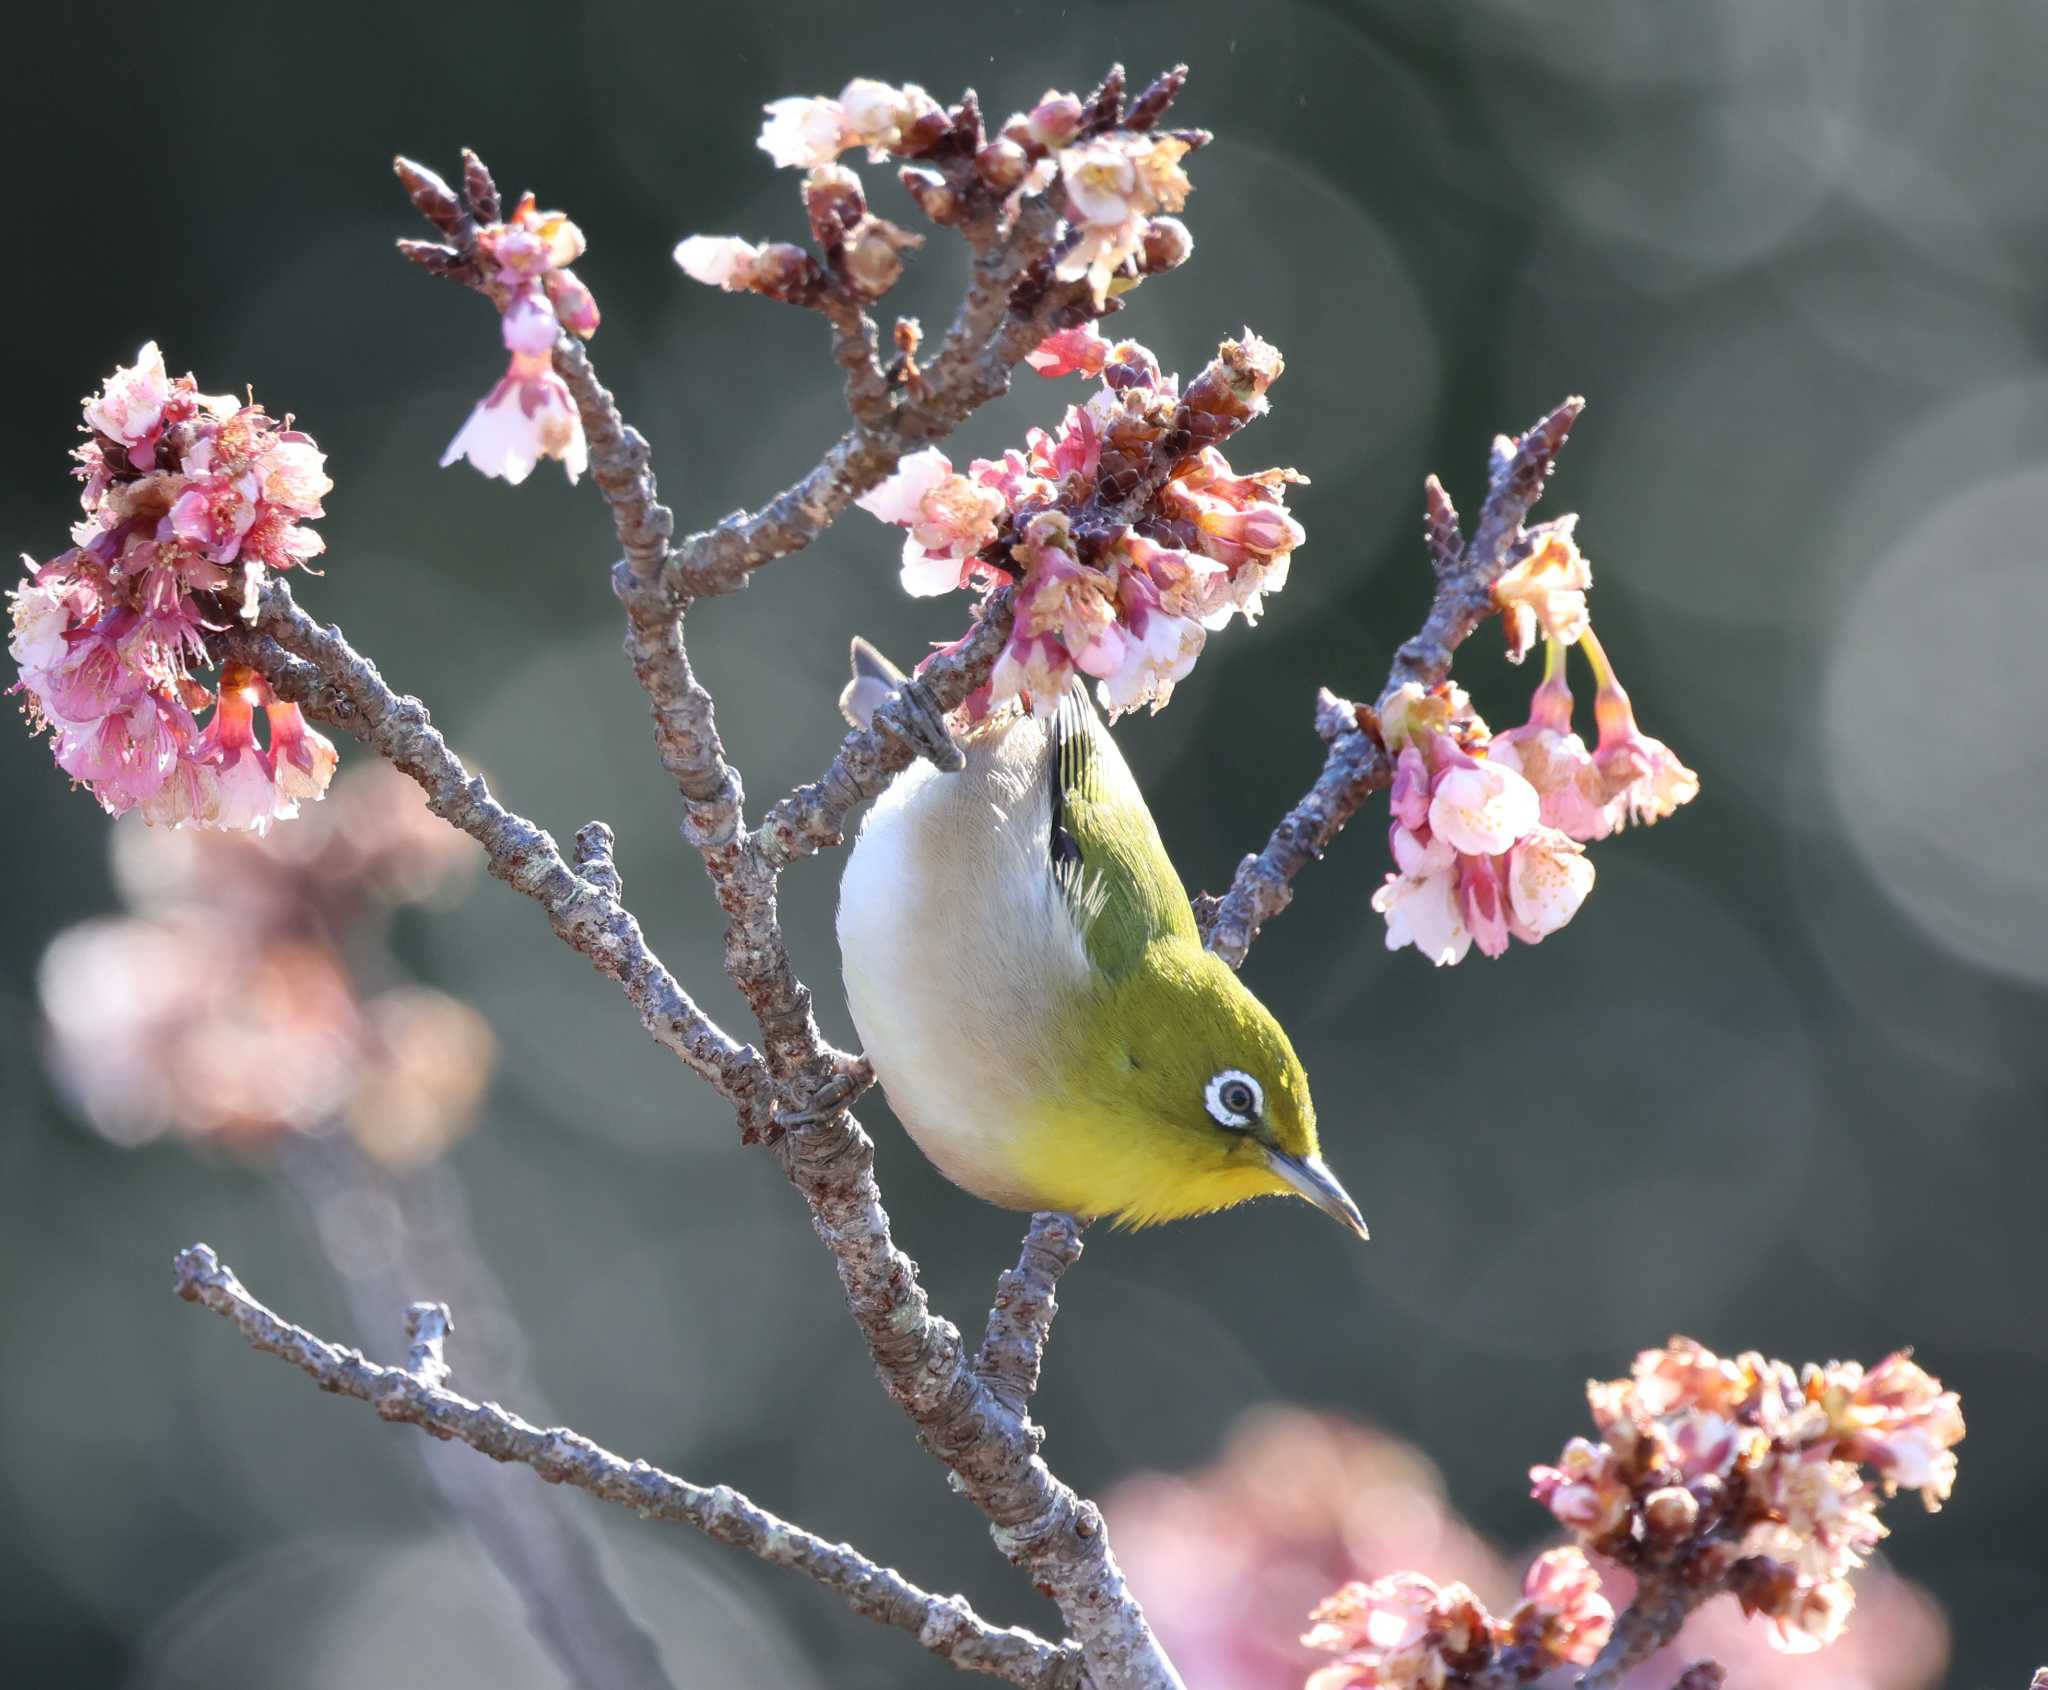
pixel 1234 1098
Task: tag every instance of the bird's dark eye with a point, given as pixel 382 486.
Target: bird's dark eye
pixel 1234 1098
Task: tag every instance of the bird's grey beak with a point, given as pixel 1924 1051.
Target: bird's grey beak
pixel 1311 1176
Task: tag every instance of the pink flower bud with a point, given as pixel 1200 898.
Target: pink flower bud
pixel 719 261
pixel 1055 120
pixel 1670 1515
pixel 1002 166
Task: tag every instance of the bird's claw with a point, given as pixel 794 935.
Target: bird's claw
pixel 831 1098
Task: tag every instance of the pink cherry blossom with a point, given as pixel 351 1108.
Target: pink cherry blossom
pixel 1034 668
pixel 129 409
pixel 1160 648
pixel 1643 777
pixel 302 758
pixel 1480 807
pixel 1745 1460
pixel 1549 876
pixel 1546 591
pixel 949 517
pixel 1425 911
pixel 1554 760
pixel 1069 351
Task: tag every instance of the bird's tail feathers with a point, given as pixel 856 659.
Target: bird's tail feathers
pixel 874 679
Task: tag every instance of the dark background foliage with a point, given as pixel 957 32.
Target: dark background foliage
pixel 1779 1085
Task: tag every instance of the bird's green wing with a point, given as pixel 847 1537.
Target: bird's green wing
pixel 1106 852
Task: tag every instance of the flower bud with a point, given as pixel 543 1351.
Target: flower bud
pixel 1002 165
pixel 1055 120
pixel 1168 245
pixel 835 202
pixel 1670 1515
pixel 934 196
pixel 873 253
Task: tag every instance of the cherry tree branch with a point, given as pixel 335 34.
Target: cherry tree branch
pixel 319 670
pixel 985 1438
pixel 1356 764
pixel 1656 1615
pixel 1021 1320
pixel 417 1394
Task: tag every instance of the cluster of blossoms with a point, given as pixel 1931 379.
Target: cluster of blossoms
pixel 1119 186
pixel 1747 1476
pixel 1405 1632
pixel 234 1008
pixel 1232 1555
pixel 1129 536
pixel 1489 830
pixel 187 496
pixel 524 263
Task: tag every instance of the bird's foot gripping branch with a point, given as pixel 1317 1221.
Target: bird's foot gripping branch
pixel 1108 547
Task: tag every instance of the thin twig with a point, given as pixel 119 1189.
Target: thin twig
pixel 317 669
pixel 945 1625
pixel 1356 764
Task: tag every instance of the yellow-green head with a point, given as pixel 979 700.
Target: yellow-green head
pixel 1183 1097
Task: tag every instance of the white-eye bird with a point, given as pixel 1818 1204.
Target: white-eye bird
pixel 1028 982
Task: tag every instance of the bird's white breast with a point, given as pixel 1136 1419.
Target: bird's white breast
pixel 957 949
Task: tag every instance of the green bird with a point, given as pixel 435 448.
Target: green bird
pixel 1024 970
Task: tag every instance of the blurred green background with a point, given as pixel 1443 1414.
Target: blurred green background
pixel 1779 1085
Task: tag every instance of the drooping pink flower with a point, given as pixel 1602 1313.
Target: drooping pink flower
pixel 242 772
pixel 302 758
pixel 126 755
pixel 1034 668
pixel 1062 597
pixel 1643 778
pixel 530 414
pixel 1548 877
pixel 1546 753
pixel 1896 1419
pixel 1425 911
pixel 1159 647
pixel 1545 593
